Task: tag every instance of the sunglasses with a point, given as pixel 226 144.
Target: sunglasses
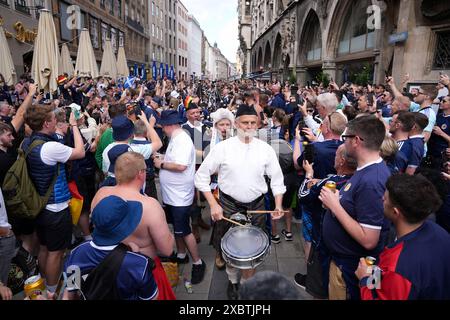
pixel 349 136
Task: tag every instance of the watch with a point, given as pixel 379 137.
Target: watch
pixel 162 165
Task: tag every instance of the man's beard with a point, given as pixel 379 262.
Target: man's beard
pixel 247 134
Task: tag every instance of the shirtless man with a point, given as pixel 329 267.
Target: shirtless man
pixel 152 236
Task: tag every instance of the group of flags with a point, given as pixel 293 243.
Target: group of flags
pixel 142 73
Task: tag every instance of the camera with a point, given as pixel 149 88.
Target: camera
pixel 133 108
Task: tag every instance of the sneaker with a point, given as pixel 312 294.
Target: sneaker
pixel 300 280
pixel 183 261
pixel 287 235
pixel 198 272
pixel 275 239
pixel 233 291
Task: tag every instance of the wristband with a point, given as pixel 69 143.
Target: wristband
pixel 363 282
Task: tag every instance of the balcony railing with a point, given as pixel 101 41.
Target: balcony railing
pixel 135 25
pixel 21 6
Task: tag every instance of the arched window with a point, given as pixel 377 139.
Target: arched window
pixel 355 36
pixel 314 38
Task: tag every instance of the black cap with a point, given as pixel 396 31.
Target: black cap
pixel 246 110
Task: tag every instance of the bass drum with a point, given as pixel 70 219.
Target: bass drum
pixel 245 247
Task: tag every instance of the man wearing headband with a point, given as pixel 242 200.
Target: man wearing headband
pixel 241 163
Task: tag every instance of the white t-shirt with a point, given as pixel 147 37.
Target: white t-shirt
pixel 3 215
pixel 53 152
pixel 145 149
pixel 177 188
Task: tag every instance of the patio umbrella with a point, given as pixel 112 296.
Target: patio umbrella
pixel 6 62
pixel 122 66
pixel 86 65
pixel 66 64
pixel 108 68
pixel 45 65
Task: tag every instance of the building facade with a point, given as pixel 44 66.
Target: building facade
pixel 170 32
pixel 138 33
pixel 245 35
pixel 20 21
pixel 221 64
pixel 103 19
pixel 209 69
pixel 182 41
pixel 350 40
pixel 195 38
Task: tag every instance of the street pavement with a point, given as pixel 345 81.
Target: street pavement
pixel 286 257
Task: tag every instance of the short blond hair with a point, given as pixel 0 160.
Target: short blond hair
pixel 389 149
pixel 128 166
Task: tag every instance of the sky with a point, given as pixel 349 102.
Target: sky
pixel 219 21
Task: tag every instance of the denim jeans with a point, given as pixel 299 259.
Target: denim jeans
pixel 7 252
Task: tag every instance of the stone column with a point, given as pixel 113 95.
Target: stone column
pixel 405 20
pixel 329 67
pixel 301 75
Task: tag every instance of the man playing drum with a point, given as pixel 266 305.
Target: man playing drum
pixel 241 163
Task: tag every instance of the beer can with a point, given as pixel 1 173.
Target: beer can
pixel 188 286
pixel 331 185
pixel 370 261
pixel 34 287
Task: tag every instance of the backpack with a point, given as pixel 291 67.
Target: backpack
pixel 101 282
pixel 21 198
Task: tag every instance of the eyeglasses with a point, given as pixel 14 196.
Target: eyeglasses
pixel 348 136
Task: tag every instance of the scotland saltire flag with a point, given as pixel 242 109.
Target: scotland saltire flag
pixel 129 83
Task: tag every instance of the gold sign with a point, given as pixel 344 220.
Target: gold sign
pixel 22 34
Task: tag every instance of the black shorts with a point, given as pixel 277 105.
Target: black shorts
pixel 22 226
pixel 54 229
pixel 86 188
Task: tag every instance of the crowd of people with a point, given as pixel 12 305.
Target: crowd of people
pixel 236 146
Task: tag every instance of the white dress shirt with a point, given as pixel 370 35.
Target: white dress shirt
pixel 241 168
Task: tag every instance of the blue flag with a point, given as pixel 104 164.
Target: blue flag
pixel 154 71
pixel 144 73
pixel 136 70
pixel 129 83
pixel 161 70
pixel 172 73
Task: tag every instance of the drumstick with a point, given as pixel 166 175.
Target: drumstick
pixel 263 212
pixel 232 221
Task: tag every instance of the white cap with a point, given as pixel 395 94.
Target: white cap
pixel 175 94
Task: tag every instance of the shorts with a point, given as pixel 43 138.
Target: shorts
pixel 307 226
pixel 54 229
pixel 288 197
pixel 22 226
pixel 86 188
pixel 179 218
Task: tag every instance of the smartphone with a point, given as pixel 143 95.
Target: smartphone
pixel 308 153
